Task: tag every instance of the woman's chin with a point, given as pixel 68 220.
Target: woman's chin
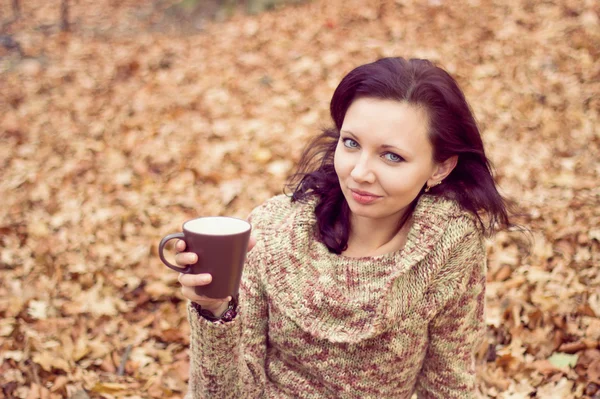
pixel 369 211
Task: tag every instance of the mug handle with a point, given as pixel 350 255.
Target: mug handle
pixel 161 248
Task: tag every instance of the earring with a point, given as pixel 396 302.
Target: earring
pixel 433 185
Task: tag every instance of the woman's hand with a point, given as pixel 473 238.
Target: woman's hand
pixel 189 281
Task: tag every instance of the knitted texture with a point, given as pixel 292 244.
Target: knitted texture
pixel 312 324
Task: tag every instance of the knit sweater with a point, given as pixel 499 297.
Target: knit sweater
pixel 313 324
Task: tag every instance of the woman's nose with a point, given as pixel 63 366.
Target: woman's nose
pixel 362 172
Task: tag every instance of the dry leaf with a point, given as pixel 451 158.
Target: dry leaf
pixel 117 132
pixel 563 389
pixel 109 387
pixel 50 361
pixel 593 371
pixel 562 360
pixel 38 309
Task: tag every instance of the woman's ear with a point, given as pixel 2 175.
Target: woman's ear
pixel 442 170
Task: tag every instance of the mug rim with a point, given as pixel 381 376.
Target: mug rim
pixel 247 224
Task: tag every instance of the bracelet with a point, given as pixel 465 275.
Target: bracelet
pixel 227 316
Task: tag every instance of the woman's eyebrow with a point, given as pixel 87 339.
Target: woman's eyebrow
pixel 349 132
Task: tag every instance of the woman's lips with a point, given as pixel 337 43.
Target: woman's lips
pixel 363 197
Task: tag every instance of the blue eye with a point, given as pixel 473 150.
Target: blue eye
pixel 390 156
pixel 350 143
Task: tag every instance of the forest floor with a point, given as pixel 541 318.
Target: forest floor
pixel 116 132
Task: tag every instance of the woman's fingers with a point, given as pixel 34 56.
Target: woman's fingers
pixel 189 293
pixel 189 281
pixel 192 280
pixel 180 246
pixel 251 243
pixel 186 258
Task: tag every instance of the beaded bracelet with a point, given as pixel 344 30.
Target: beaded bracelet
pixel 227 316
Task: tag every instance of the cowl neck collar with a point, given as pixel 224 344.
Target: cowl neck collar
pixel 348 299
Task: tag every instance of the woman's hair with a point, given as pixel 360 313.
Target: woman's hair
pixel 452 131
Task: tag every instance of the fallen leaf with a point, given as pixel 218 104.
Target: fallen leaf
pixel 38 309
pixel 50 361
pixel 562 360
pixel 141 118
pixel 563 389
pixel 108 387
pixel 593 371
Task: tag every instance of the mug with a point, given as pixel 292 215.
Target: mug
pixel 221 243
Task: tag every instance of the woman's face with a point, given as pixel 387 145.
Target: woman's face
pixel 383 157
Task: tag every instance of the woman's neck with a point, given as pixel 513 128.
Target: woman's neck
pixel 369 237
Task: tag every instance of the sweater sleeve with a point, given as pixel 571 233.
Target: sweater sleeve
pixel 228 360
pixel 448 370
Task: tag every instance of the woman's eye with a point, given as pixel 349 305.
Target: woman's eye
pixel 390 156
pixel 350 143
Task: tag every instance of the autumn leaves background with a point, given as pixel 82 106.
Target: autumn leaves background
pixel 115 133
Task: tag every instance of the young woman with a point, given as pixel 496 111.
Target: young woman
pixel 369 281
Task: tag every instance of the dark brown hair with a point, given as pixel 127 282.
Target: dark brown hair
pixel 452 131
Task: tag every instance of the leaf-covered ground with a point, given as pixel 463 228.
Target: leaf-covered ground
pixel 114 134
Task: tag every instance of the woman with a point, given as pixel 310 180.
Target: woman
pixel 369 281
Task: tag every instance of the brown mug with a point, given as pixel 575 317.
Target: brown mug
pixel 221 243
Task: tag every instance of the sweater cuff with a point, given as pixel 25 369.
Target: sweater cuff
pixel 200 326
pixel 213 347
pixel 227 316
